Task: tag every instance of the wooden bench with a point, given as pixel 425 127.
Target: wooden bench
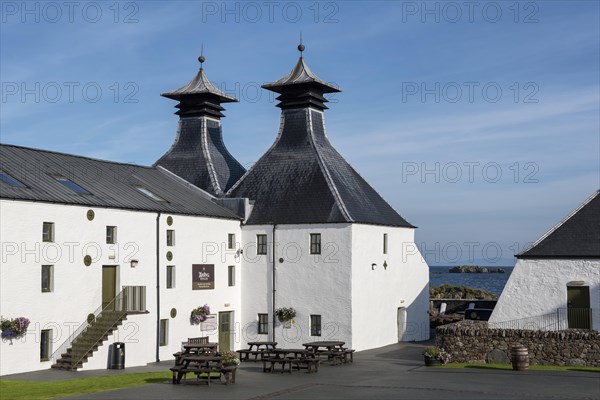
pixel 227 372
pixel 245 355
pixel 273 363
pixel 349 355
pixel 310 364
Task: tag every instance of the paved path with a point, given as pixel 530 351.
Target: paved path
pixel 392 372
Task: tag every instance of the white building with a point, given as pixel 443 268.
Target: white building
pixel 84 238
pixel 556 282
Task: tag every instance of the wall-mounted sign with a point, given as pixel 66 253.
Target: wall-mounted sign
pixel 203 276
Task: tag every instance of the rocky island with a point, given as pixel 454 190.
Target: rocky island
pixel 475 269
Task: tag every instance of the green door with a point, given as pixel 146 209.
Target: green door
pixel 225 331
pixel 578 307
pixel 109 284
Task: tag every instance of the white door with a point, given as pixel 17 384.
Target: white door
pixel 401 323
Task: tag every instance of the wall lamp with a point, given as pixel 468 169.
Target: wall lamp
pixel 134 263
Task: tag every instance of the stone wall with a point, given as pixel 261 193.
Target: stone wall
pixel 474 342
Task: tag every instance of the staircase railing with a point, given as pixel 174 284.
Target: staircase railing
pixel 561 319
pixel 130 299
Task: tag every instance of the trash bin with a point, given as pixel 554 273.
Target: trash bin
pixel 117 356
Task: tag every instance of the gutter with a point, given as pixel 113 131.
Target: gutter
pixel 158 286
pixel 273 284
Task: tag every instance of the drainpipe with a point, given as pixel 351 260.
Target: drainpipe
pixel 158 287
pixel 273 302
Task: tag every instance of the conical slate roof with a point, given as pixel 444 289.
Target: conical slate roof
pixel 198 154
pixel 577 236
pixel 302 179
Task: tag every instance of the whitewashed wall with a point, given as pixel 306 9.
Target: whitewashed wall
pixel 378 292
pixel 312 284
pixel 539 287
pixel 78 289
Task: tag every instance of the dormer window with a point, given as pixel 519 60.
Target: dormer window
pixel 69 184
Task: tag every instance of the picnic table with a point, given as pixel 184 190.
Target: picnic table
pixel 262 349
pixel 203 365
pixel 291 359
pixel 195 348
pixel 334 350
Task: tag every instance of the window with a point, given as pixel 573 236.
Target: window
pixel 231 275
pixel 261 244
pixel 263 324
pixel 315 243
pixel 47 278
pixel 164 332
pixel 170 276
pixel 150 194
pixel 9 180
pixel 231 241
pixel 71 185
pixel 315 325
pixel 45 343
pixel 170 237
pixel 385 243
pixel 111 234
pixel 48 232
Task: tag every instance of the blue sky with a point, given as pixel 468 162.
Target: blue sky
pixel 479 122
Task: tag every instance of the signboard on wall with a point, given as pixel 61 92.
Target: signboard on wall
pixel 203 276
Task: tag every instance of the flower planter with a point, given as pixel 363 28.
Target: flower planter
pixel 432 362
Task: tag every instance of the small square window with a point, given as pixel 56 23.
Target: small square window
pixel 385 243
pixel 231 241
pixel 231 275
pixel 164 332
pixel 170 237
pixel 45 344
pixel 315 243
pixel 261 244
pixel 48 232
pixel 263 324
pixel 47 278
pixel 170 276
pixel 315 325
pixel 111 234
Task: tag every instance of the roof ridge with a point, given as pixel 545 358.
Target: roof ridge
pixel 336 194
pixel 76 156
pixel 212 173
pixel 559 224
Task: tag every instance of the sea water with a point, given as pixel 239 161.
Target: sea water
pixel 491 282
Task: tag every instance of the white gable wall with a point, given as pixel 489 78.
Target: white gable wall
pixel 538 287
pixel 378 292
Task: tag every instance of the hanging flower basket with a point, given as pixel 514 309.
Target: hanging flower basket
pixel 199 314
pixel 285 314
pixel 14 328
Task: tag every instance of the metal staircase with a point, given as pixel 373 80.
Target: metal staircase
pixel 93 332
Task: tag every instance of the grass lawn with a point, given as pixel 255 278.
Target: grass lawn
pixel 531 367
pixel 30 390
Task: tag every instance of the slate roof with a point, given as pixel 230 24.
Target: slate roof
pixel 109 184
pixel 302 179
pixel 199 156
pixel 199 85
pixel 577 236
pixel 300 74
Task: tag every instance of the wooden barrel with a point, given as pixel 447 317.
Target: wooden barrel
pixel 519 357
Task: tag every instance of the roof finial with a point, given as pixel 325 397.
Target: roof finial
pixel 301 46
pixel 201 58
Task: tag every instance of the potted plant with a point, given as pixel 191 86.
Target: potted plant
pixel 230 359
pixel 199 314
pixel 13 328
pixel 435 356
pixel 285 314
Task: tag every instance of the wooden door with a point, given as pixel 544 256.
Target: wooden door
pixel 578 307
pixel 225 322
pixel 109 284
